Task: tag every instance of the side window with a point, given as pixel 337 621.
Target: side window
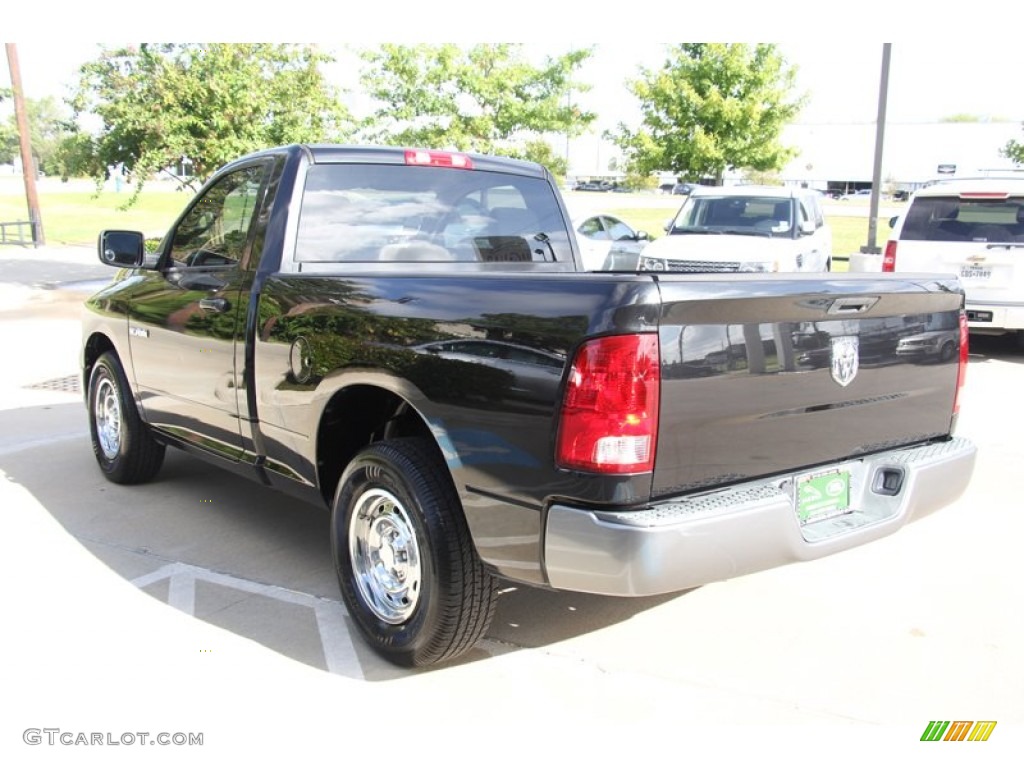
pixel 592 228
pixel 213 233
pixel 618 230
pixel 807 212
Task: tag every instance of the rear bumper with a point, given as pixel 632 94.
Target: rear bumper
pixel 694 540
pixel 998 317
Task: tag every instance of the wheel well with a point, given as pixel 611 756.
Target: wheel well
pixel 353 419
pixel 94 347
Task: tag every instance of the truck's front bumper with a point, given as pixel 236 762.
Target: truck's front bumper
pixel 694 540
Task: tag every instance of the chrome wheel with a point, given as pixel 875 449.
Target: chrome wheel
pixel 107 409
pixel 406 563
pixel 385 556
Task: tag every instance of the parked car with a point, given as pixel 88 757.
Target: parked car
pixel 859 194
pixel 594 186
pixel 756 229
pixel 973 228
pixel 608 243
pixel 938 341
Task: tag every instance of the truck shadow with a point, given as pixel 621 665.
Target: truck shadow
pixel 225 551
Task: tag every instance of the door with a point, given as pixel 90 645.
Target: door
pixel 187 319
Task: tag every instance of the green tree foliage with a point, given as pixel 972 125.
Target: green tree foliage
pixel 712 107
pixel 487 98
pixel 1014 151
pixel 540 151
pixel 641 181
pixel 207 103
pixel 48 126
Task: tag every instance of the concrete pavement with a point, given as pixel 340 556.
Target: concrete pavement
pixel 847 657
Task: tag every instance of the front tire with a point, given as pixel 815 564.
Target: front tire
pixel 406 564
pixel 125 451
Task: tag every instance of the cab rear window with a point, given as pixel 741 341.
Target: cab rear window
pixel 955 219
pixel 371 213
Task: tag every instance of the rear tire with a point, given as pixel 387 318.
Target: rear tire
pixel 125 450
pixel 406 564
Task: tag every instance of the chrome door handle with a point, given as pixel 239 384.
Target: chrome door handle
pixel 217 305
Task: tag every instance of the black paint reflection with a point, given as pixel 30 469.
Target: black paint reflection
pixel 713 350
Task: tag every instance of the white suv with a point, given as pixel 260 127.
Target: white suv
pixel 973 228
pixel 744 229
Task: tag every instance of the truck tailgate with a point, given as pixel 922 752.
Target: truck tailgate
pixel 762 377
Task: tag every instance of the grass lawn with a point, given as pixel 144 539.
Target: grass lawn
pixel 76 217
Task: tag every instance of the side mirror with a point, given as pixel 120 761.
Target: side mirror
pixel 642 235
pixel 892 221
pixel 121 248
pixel 806 227
pixel 668 224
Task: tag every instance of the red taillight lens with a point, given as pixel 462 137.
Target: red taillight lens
pixel 984 195
pixel 962 373
pixel 889 259
pixel 609 418
pixel 441 159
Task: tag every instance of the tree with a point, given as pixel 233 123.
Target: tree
pixel 540 151
pixel 1014 151
pixel 48 127
pixel 8 133
pixel 164 103
pixel 485 99
pixel 712 107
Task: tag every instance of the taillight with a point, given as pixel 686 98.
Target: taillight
pixel 889 259
pixel 984 195
pixel 962 372
pixel 609 417
pixel 442 159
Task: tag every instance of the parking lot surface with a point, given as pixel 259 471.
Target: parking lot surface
pixel 202 603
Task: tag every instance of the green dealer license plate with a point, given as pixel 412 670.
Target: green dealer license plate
pixel 823 495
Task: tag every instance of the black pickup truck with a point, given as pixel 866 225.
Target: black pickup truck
pixel 405 337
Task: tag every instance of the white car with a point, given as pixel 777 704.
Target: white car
pixel 973 228
pixel 608 243
pixel 744 229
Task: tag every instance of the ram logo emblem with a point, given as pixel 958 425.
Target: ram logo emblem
pixel 845 359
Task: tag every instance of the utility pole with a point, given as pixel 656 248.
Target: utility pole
pixel 876 176
pixel 28 165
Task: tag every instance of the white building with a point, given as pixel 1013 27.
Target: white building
pixel 842 155
pixel 833 155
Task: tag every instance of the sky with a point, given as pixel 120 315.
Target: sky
pixel 926 82
pixel 944 61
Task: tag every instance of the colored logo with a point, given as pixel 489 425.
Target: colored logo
pixel 958 730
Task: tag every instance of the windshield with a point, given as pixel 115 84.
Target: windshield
pixel 765 216
pixel 979 221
